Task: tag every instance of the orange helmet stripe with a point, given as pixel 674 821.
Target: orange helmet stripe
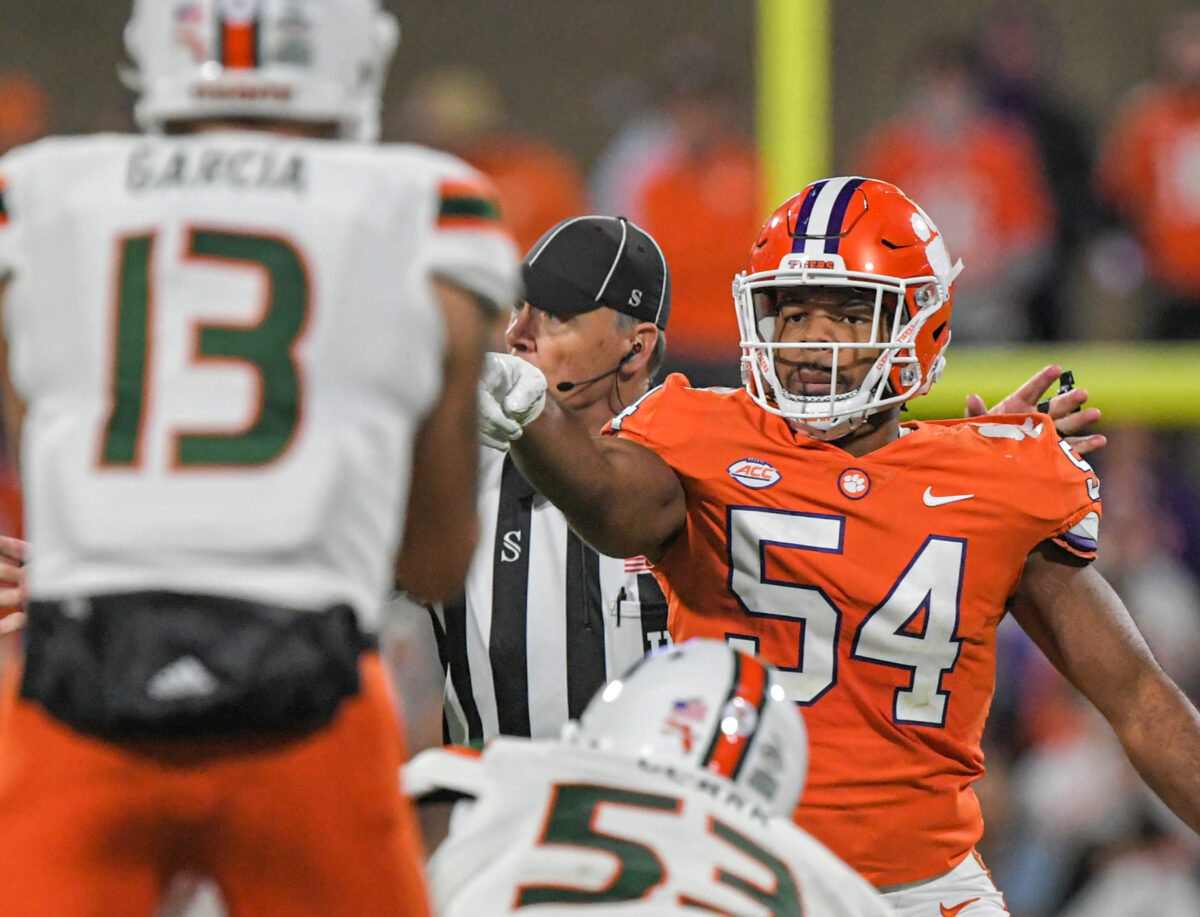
pixel 239 44
pixel 728 750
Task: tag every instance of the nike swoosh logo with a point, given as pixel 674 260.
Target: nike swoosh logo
pixel 951 911
pixel 931 500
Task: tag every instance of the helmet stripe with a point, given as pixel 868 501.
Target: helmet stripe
pixel 838 214
pixel 727 751
pixel 800 230
pixel 759 705
pixel 819 222
pixel 729 695
pixel 239 42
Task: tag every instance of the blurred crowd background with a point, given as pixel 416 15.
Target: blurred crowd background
pixel 1057 146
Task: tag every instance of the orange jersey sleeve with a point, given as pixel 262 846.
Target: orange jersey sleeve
pixel 875 584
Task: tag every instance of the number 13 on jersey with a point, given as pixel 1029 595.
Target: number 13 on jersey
pixel 265 346
pixel 930 583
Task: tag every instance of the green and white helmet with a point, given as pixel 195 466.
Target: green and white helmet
pixel 704 704
pixel 315 61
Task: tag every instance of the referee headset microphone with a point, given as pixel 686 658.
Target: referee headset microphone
pixel 634 351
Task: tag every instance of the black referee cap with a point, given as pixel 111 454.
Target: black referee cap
pixel 587 262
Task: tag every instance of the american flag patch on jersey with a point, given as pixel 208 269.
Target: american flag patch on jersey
pixel 637 565
pixel 465 204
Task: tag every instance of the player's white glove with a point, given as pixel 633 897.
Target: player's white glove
pixel 512 393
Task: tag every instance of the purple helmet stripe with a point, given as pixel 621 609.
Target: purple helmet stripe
pixel 806 208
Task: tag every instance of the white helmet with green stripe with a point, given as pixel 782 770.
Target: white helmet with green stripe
pixel 311 61
pixel 704 704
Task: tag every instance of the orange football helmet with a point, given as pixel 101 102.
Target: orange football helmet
pixel 868 235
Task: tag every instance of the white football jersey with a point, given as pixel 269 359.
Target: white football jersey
pixel 225 343
pixel 551 829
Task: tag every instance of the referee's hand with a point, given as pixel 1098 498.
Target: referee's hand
pixel 512 393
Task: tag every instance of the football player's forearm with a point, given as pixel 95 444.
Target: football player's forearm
pixel 601 495
pixel 556 453
pixel 1101 652
pixel 1163 743
pixel 442 521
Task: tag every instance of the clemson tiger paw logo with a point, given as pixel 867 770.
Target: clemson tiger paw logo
pixel 854 483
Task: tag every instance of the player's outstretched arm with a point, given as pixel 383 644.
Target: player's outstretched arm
pixel 1066 410
pixel 442 521
pixel 1082 626
pixel 620 496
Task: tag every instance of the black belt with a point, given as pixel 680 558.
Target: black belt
pixel 162 664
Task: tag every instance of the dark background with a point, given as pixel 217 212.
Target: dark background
pixel 556 61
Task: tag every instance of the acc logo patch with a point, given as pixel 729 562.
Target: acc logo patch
pixel 754 473
pixel 854 483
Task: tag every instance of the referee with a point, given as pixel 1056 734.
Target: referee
pixel 545 620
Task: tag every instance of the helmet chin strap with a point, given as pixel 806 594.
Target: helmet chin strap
pixel 845 425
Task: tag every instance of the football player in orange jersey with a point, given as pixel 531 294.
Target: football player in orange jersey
pixel 871 560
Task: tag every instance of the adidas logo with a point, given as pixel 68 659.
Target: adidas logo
pixel 187 676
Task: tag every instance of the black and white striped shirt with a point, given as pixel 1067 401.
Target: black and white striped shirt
pixel 545 620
